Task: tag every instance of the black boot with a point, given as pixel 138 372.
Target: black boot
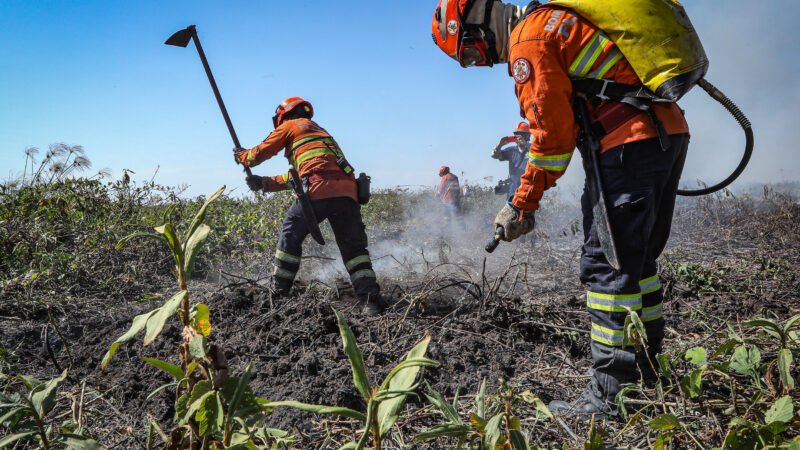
pixel 590 403
pixel 372 303
pixel 281 287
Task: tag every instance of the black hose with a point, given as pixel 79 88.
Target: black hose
pixel 737 114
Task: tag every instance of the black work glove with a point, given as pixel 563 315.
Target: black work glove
pixel 255 183
pixel 238 155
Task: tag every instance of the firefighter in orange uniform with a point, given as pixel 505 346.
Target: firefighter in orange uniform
pixel 449 192
pixel 331 186
pixel 555 57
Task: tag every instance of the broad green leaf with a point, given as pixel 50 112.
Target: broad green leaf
pixel 445 430
pixel 202 320
pixel 774 428
pixel 478 422
pixel 745 360
pixel 665 422
pixel 360 378
pixel 139 322
pixel 174 243
pixel 241 386
pixel 697 356
pixel 200 217
pixel 725 348
pixel 790 323
pixel 480 401
pixel 446 409
pixel 795 444
pixel 12 412
pixel 201 391
pixel 785 360
pixel 518 441
pixel 661 441
pixel 181 404
pixel 156 322
pixel 43 396
pixel 78 442
pixel 638 324
pixel 197 348
pixel 781 411
pixel 542 411
pixel 664 365
pixel 320 409
pixel 692 383
pixel 171 369
pixel 400 380
pixel 210 416
pixel 193 246
pixel 493 432
pixel 11 438
pixel 766 324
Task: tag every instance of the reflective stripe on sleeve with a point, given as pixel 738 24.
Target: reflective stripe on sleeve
pixel 613 303
pixel 652 313
pixel 283 273
pixel 613 57
pixel 650 285
pixel 588 55
pixel 556 163
pixel 286 257
pixel 607 336
pixel 366 273
pixel 353 263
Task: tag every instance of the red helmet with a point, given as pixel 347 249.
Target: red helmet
pixel 288 105
pixel 444 170
pixel 469 44
pixel 523 128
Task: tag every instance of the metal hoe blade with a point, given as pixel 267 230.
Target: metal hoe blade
pixel 181 38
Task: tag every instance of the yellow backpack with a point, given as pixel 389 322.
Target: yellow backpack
pixel 655 36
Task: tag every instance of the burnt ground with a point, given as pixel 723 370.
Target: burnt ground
pixel 522 321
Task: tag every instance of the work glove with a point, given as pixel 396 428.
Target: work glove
pixel 270 185
pixel 514 222
pixel 239 155
pixel 255 183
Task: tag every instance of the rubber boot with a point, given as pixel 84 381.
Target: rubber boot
pixel 613 367
pixel 369 297
pixel 589 403
pixel 281 286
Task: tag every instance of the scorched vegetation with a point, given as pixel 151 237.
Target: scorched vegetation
pixel 468 355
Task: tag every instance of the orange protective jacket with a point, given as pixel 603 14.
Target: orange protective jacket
pixel 449 190
pixel 547 49
pixel 313 152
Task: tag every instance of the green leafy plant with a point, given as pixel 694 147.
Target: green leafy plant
pixel 769 433
pixel 490 425
pixel 212 409
pixel 24 413
pixel 384 403
pixel 786 338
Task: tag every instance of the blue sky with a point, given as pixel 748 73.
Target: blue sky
pixel 96 73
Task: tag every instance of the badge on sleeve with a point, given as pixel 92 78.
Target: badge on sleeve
pixel 521 70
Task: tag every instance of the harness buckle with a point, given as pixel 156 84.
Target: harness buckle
pixel 602 95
